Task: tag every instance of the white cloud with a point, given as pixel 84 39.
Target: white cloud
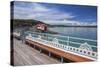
pixel 61 22
pixel 39 8
pixel 40 12
pixel 43 13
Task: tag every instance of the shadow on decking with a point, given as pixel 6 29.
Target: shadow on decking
pixel 54 56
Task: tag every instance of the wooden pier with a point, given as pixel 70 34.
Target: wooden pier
pixel 34 51
pixel 26 55
pixel 63 55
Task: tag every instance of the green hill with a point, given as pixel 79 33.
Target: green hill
pixel 23 22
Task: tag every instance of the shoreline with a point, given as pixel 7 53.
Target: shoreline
pixel 75 26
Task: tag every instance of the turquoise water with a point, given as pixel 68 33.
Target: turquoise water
pixel 81 32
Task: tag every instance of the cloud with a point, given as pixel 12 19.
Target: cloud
pixel 39 12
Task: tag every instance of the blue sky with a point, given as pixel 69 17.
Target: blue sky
pixel 55 12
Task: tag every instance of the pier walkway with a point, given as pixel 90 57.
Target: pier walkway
pixel 26 55
pixel 65 48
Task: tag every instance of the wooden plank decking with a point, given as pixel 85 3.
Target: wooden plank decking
pixel 66 55
pixel 26 55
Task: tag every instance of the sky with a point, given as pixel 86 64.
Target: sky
pixel 55 12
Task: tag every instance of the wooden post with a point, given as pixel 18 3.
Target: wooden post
pixel 49 54
pixel 62 59
pixel 40 50
pixel 34 46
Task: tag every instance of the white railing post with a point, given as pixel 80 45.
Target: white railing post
pixel 68 40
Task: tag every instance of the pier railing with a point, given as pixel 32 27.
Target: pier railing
pixel 16 33
pixel 84 47
pixel 80 46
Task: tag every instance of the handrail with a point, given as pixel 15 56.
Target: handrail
pixel 72 42
pixel 16 34
pixel 83 39
pixel 80 51
pixel 69 38
pixel 46 38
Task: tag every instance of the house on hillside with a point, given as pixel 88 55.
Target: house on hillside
pixel 41 26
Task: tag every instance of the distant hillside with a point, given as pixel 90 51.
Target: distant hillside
pixel 24 23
